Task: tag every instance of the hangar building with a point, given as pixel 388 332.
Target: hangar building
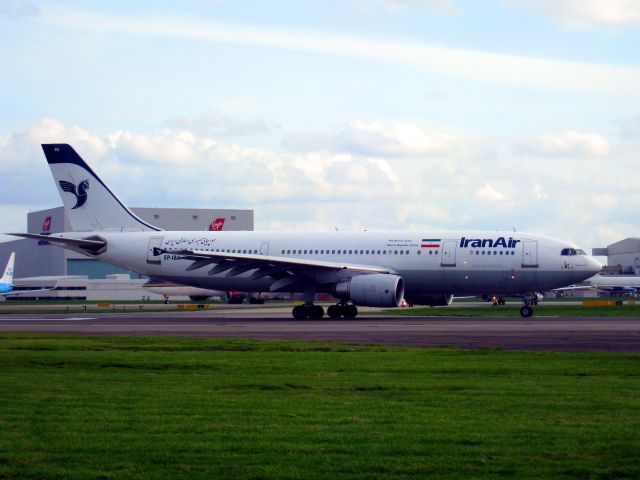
pixel 37 259
pixel 623 257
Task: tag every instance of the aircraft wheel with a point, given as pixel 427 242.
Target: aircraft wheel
pixel 502 301
pixel 334 311
pixel 350 311
pixel 526 311
pixel 299 312
pixel 316 312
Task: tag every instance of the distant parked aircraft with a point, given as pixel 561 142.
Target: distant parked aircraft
pixel 6 282
pixel 613 284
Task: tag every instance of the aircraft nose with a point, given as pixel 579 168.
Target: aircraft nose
pixel 593 265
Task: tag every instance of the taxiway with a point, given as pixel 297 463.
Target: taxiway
pixel 536 333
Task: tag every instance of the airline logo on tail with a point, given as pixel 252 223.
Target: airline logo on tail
pixel 216 225
pixel 80 193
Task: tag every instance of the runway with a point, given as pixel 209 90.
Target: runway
pixel 536 333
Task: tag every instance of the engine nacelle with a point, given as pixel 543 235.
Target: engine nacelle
pixel 433 300
pixel 374 290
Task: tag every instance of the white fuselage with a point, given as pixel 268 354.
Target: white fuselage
pixel 459 263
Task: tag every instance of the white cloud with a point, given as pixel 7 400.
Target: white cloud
pixel 490 194
pixel 445 7
pixel 584 13
pixel 567 143
pixel 539 192
pixel 322 188
pixel 400 139
pixel 218 125
pixel 479 66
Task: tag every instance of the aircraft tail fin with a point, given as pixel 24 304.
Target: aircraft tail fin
pixel 7 276
pixel 90 205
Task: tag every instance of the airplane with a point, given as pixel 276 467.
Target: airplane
pixel 367 268
pixel 6 282
pixel 613 284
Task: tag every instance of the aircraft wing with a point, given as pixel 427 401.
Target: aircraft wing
pixel 21 292
pixel 575 288
pixel 603 287
pixel 284 271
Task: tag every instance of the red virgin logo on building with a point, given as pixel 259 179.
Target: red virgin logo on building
pixel 46 224
pixel 216 225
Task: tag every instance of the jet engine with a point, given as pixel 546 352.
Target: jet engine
pixel 374 290
pixel 432 300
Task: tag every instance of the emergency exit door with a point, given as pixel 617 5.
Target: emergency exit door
pixel 154 250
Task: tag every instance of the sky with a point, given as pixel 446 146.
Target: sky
pixel 351 114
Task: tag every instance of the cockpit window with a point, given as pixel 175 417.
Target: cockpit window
pixel 569 252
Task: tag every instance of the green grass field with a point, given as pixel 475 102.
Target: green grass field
pixel 117 407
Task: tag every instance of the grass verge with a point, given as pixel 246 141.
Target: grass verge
pixel 116 407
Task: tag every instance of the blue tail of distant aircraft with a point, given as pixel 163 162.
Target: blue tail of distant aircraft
pixel 6 282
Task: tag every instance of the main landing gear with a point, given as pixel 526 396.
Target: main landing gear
pixel 499 301
pixel 316 312
pixel 342 310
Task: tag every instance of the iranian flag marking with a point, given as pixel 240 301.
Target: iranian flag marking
pixel 430 243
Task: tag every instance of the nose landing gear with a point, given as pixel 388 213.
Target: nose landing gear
pixel 526 311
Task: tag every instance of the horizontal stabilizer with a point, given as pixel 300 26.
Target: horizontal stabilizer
pixel 90 245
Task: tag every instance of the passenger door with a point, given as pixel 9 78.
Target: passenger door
pixel 448 257
pixel 530 253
